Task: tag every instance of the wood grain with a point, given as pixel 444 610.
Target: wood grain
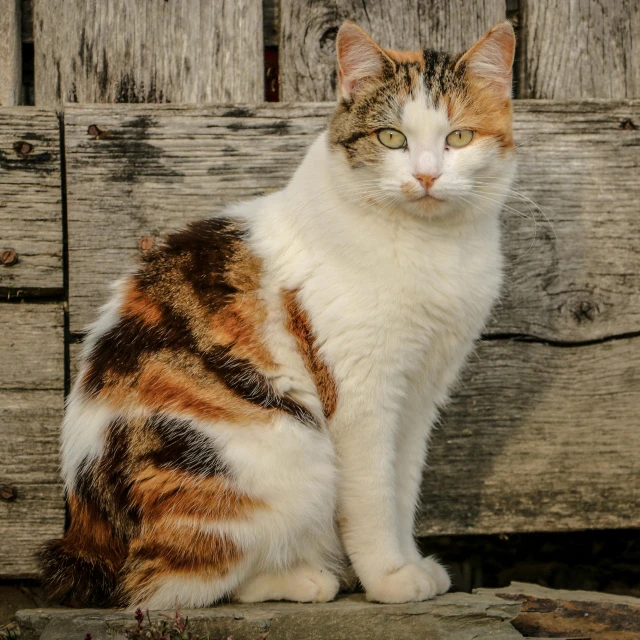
pixel 30 201
pixel 309 27
pixel 580 49
pixel 538 438
pixel 573 277
pixel 123 51
pixel 31 408
pixel 10 53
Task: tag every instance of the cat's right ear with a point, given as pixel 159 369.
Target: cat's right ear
pixel 359 59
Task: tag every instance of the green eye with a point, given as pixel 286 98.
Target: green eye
pixel 460 138
pixel 392 138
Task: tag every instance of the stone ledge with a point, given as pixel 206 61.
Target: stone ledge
pixel 552 613
pixel 454 616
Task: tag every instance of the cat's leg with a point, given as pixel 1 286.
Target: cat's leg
pixel 305 583
pixel 365 430
pixel 411 450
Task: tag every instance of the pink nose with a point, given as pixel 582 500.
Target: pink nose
pixel 425 179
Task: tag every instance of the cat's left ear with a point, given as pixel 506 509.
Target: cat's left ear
pixel 490 60
pixel 360 59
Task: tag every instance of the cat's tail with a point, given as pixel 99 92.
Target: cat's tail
pixel 81 568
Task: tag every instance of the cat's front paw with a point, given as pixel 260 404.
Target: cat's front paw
pixel 437 573
pixel 411 583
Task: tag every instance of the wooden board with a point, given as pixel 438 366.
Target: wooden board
pixel 30 201
pixel 572 279
pixel 538 438
pixel 576 50
pixel 309 27
pixel 31 407
pixel 121 51
pixel 10 53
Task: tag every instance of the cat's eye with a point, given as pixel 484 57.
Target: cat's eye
pixel 460 138
pixel 392 138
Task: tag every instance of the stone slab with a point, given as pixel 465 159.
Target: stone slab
pixel 455 616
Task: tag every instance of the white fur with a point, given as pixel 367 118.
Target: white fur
pixel 397 289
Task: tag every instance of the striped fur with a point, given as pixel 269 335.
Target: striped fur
pixel 270 373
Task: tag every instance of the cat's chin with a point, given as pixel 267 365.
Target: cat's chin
pixel 429 207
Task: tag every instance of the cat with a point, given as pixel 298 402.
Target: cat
pixel 254 403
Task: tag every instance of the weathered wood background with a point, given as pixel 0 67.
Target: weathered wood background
pixel 543 432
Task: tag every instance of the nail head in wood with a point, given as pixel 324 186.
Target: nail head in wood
pixel 96 132
pixel 146 243
pixel 8 257
pixel 8 494
pixel 23 148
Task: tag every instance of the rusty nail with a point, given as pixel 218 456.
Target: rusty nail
pixel 95 131
pixel 7 493
pixel 23 148
pixel 146 243
pixel 628 125
pixel 8 257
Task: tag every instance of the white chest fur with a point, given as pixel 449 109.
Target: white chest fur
pixel 388 295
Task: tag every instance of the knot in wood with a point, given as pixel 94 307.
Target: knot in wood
pixel 328 39
pixel 7 493
pixel 146 243
pixel 23 148
pixel 585 311
pixel 8 257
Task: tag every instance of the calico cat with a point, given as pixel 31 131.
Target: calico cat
pixel 254 403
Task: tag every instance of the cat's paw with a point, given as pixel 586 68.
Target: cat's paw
pixel 313 586
pixel 304 584
pixel 437 573
pixel 411 583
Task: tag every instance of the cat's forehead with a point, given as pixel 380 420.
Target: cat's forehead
pixel 428 72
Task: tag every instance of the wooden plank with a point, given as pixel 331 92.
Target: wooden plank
pixel 576 50
pixel 121 51
pixel 10 53
pixel 574 278
pixel 309 27
pixel 31 408
pixel 30 201
pixel 538 438
pixel 31 346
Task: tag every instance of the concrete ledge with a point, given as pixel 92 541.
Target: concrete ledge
pixel 455 616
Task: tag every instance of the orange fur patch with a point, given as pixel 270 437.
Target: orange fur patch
pixel 140 305
pixel 299 325
pixel 91 535
pixel 237 326
pixel 162 551
pixel 483 111
pixel 406 56
pixel 162 389
pixel 162 494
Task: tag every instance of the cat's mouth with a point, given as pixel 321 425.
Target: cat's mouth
pixel 428 197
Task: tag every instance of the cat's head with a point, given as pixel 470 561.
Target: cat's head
pixel 425 131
